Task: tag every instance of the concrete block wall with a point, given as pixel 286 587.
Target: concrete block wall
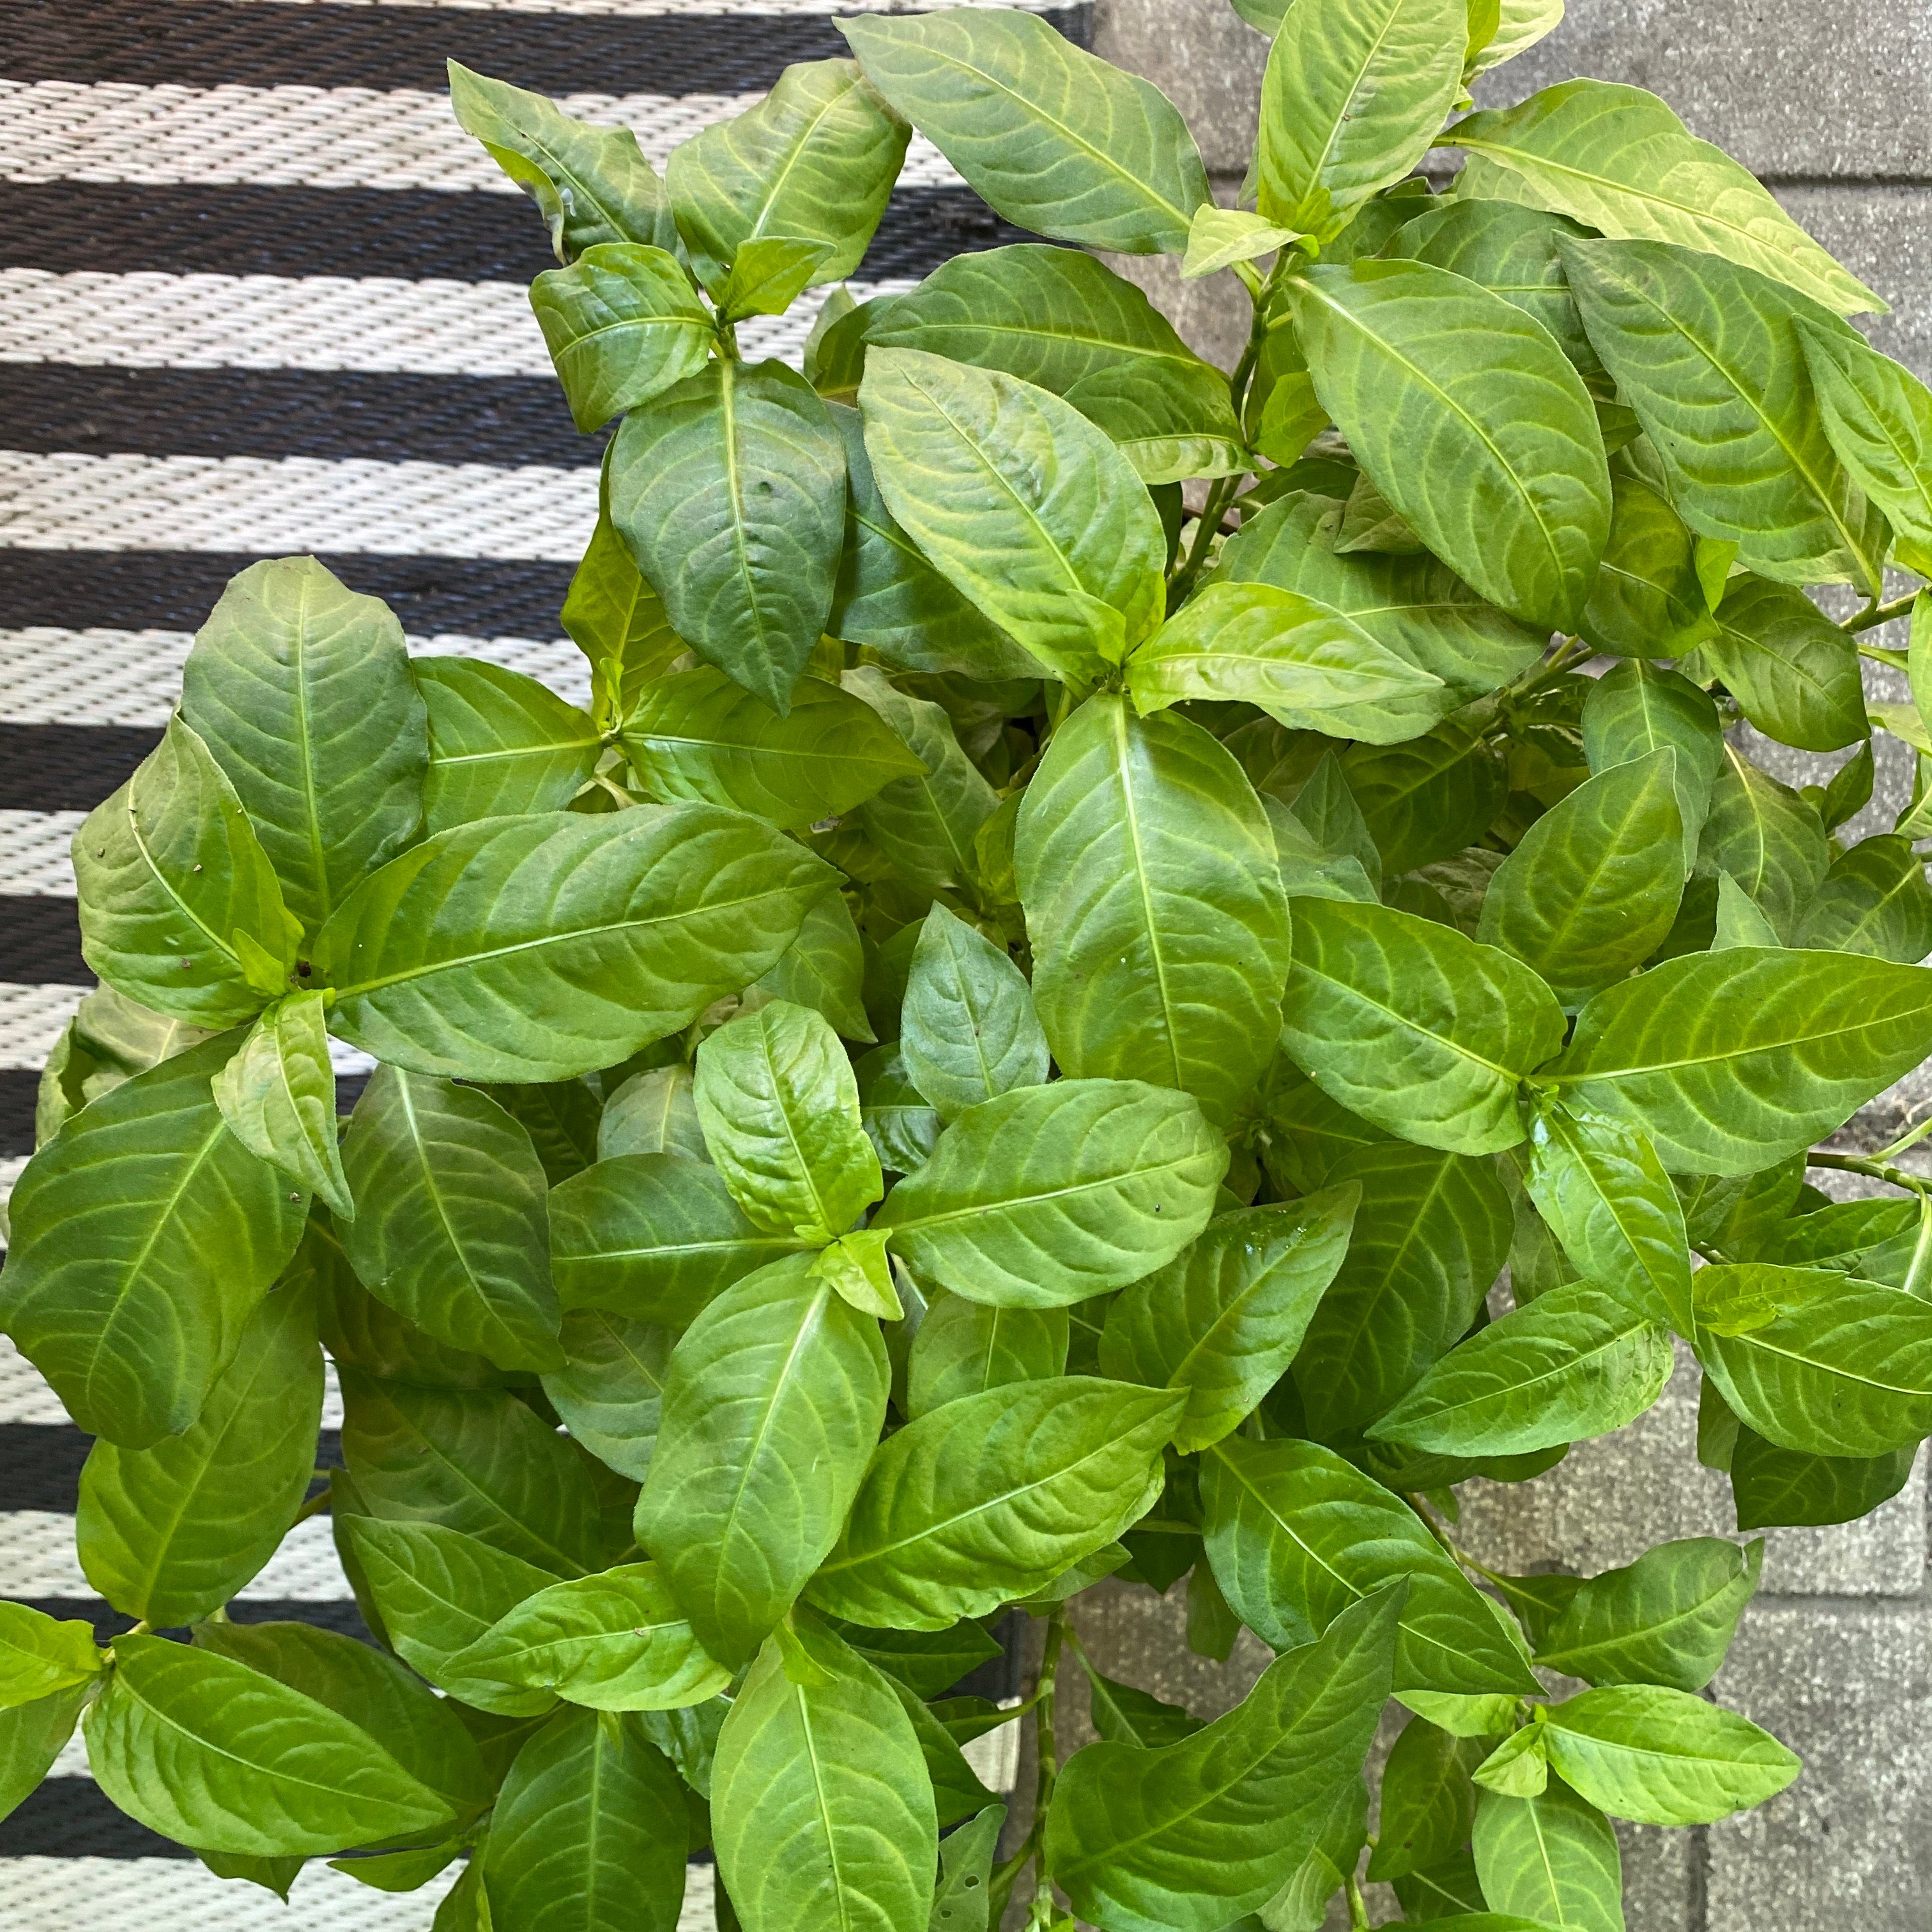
pixel 1830 102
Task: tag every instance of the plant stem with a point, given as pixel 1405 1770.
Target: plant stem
pixel 1045 1700
pixel 1879 654
pixel 1909 1139
pixel 1875 1170
pixel 1875 613
pixel 1358 1909
pixel 315 1505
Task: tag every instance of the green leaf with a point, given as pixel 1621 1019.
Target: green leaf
pixel 1351 102
pixel 861 1273
pixel 1179 1838
pixel 1770 840
pixel 476 1460
pixel 899 1123
pixel 1307 665
pixel 823 1814
pixel 1123 1714
pixel 1519 1767
pixel 653 1237
pixel 590 184
pixel 622 324
pixel 697 735
pixel 169 1533
pixel 814 161
pixel 1516 495
pixel 774 1400
pixel 1223 1320
pixel 1044 1196
pixel 1551 1858
pixel 1706 353
pixel 1618 160
pixel 179 908
pixel 1054 139
pixel 1429 1803
pixel 1601 1187
pixel 1413 606
pixel 925 825
pixel 1637 708
pixel 500 744
pixel 1740 921
pixel 452 1231
pixel 107 1289
pixel 610 1389
pixel 438 1592
pixel 1874 901
pixel 614 618
pixel 278 1095
pixel 1792 671
pixel 824 968
pixel 889 597
pixel 1413 1027
pixel 1021 502
pixel 1815 1362
pixel 1731 1061
pixel 768 275
pixel 1058 318
pixel 1589 893
pixel 779 1106
pixel 652 1112
pixel 1154 907
pixel 1296 1536
pixel 1878 417
pixel 1771 1486
pixel 730 491
pixel 39 1657
pixel 541 948
pixel 32 1736
pixel 960 1903
pixel 1432 1233
pixel 1647 600
pixel 202 1749
pixel 300 690
pixel 1662 1756
pixel 992 1496
pixel 1574 1363
pixel 926 1663
pixel 614 1641
pixel 588 1834
pixel 1666 1618
pixel 1427 797
pixel 965 1348
pixel 967 1028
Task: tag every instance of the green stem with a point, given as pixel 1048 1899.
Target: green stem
pixel 1910 1139
pixel 315 1505
pixel 1358 1909
pixel 1875 613
pixel 1879 654
pixel 1875 1170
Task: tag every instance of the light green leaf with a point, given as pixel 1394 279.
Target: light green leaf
pixel 1175 1839
pixel 653 1237
pixel 1352 98
pixel 965 1348
pixel 774 1400
pixel 203 1749
pixel 1647 600
pixel 1520 24
pixel 1413 1027
pixel 107 1289
pixel 1427 797
pixel 179 908
pixel 1878 417
pixel 1590 892
pixel 1793 671
pixel 1575 1362
pixel 1601 1187
pixel 991 1497
pixel 967 1026
pixel 730 491
pixel 1731 1061
pixel 588 1831
pixel 622 323
pixel 1296 1536
pixel 278 1095
pixel 451 1228
pixel 1874 901
pixel 1815 1362
pixel 1044 1196
pixel 779 1106
pixel 1637 708
pixel 300 690
pixel 1771 840
pixel 1218 238
pixel 39 1657
pixel 614 618
pixel 1617 159
pixel 610 1387
pixel 1663 1756
pixel 1053 139
pixel 814 161
pixel 1431 1235
pixel 824 1819
pixel 1223 1320
pixel 541 948
pixel 1307 665
pixel 824 968
pixel 1515 496
pixel 1519 1767
pixel 1022 503
pixel 961 1903
pixel 1551 1858
pixel 768 275
pixel 169 1533
pixel 697 735
pixel 1666 1618
pixel 500 744
pixel 1705 352
pixel 32 1736
pixel 1154 907
pixel 590 184
pixel 1429 1803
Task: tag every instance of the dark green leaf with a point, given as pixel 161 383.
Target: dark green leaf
pixel 1769 840
pixel 1793 671
pixel 1874 901
pixel 1428 1803
pixel 1427 797
pixel 1637 708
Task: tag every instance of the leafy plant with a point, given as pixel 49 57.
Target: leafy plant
pixel 1096 903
